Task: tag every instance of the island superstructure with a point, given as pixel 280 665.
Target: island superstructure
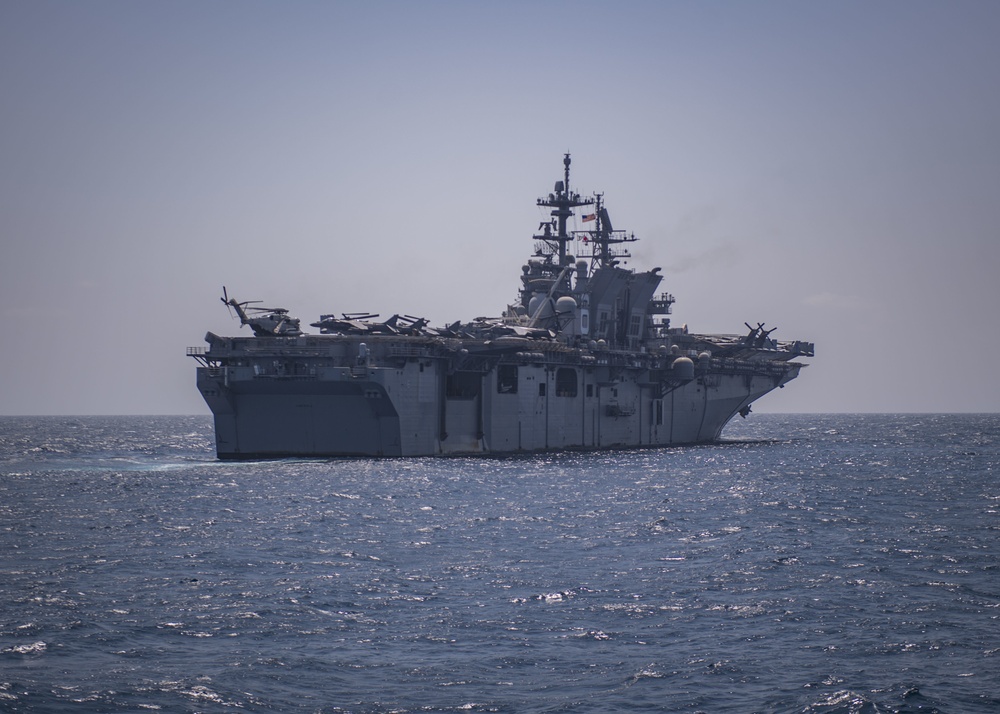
pixel 585 358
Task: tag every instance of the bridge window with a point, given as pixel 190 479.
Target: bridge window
pixel 636 325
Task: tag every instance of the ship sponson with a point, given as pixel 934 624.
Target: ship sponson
pixel 586 360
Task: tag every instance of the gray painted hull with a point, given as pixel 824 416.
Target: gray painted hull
pixel 310 397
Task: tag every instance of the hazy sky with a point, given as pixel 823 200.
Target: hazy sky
pixel 829 168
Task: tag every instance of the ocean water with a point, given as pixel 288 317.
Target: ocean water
pixel 810 563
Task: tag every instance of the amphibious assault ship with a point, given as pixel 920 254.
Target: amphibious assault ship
pixel 585 358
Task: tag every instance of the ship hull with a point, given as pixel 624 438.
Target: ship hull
pixel 430 399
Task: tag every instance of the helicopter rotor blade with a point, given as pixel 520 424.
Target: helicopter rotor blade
pixel 225 300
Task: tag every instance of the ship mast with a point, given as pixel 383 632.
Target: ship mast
pixel 561 201
pixel 603 237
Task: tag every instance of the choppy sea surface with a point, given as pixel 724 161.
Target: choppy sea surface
pixel 809 563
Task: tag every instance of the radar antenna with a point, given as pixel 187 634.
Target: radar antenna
pixel 562 200
pixel 603 237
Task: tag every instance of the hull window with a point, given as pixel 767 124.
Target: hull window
pixel 507 379
pixel 566 382
pixel 464 385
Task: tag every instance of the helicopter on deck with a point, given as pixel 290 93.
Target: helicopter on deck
pixel 264 321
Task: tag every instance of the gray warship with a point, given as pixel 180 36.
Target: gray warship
pixel 585 358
